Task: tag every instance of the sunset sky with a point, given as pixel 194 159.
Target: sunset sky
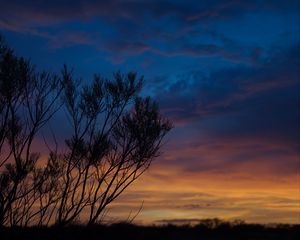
pixel 226 73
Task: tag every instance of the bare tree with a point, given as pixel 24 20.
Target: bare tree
pixel 28 99
pixel 115 136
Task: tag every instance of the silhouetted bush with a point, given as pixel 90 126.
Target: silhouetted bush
pixel 115 135
pixel 125 231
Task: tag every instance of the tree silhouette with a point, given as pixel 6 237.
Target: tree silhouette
pixel 28 99
pixel 115 136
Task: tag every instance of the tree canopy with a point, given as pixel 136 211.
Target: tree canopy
pixel 115 135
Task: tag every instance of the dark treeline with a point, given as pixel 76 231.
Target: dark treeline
pixel 115 135
pixel 209 229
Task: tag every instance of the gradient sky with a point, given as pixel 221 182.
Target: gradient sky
pixel 227 73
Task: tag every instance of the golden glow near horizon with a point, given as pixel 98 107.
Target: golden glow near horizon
pixel 169 195
pixel 255 191
pixel 190 182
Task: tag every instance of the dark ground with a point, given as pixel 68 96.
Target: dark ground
pixel 168 232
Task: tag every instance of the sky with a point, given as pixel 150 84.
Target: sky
pixel 226 73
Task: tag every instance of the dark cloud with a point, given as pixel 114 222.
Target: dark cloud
pixel 137 25
pixel 48 12
pixel 243 119
pixel 179 221
pixel 262 100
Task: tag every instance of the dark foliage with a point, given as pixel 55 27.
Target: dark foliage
pixel 115 135
pixel 224 230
